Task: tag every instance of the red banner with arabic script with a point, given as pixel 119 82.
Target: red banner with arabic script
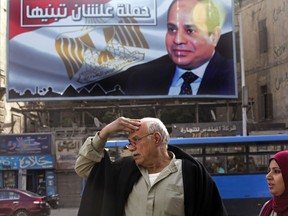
pixel 40 7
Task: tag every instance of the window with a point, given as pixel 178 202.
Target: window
pixel 9 195
pixel 264 147
pixel 263 36
pixel 237 44
pixel 13 196
pixel 265 105
pixel 4 195
pixel 216 164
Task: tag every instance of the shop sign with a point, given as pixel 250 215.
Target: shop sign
pixel 207 129
pixel 67 151
pixel 26 162
pixel 25 144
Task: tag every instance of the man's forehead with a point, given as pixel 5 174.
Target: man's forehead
pixel 190 13
pixel 184 5
pixel 141 128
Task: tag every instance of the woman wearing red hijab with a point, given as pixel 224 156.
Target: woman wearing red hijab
pixel 277 179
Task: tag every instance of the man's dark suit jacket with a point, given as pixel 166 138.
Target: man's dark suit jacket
pixel 155 77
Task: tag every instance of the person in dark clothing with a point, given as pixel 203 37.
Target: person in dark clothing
pixel 157 179
pixel 193 32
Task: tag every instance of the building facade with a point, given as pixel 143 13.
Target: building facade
pixel 265 54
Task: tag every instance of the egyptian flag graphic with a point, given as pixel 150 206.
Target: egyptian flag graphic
pixel 57 44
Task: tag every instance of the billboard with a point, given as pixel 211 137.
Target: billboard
pixel 25 144
pixel 111 49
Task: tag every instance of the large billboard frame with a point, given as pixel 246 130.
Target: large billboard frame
pixel 42 65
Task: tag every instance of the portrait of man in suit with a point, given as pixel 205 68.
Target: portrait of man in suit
pixel 192 66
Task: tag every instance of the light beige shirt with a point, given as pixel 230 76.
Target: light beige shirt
pixel 164 198
pixel 91 152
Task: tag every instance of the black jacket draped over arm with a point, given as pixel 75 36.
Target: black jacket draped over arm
pixel 109 184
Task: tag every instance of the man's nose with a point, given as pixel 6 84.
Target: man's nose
pixel 180 38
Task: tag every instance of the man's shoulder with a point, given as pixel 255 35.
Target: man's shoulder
pixel 220 68
pixel 159 62
pixel 180 154
pixel 222 61
pixel 162 59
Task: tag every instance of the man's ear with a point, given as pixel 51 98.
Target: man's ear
pixel 215 36
pixel 158 138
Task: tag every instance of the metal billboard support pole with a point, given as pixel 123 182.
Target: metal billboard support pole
pixel 243 84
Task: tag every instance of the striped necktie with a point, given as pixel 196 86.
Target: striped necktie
pixel 188 78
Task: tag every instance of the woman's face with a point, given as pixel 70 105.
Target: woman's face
pixel 275 179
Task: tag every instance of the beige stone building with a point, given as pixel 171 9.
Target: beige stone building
pixel 265 54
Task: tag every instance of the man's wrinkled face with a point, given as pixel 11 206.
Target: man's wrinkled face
pixel 142 146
